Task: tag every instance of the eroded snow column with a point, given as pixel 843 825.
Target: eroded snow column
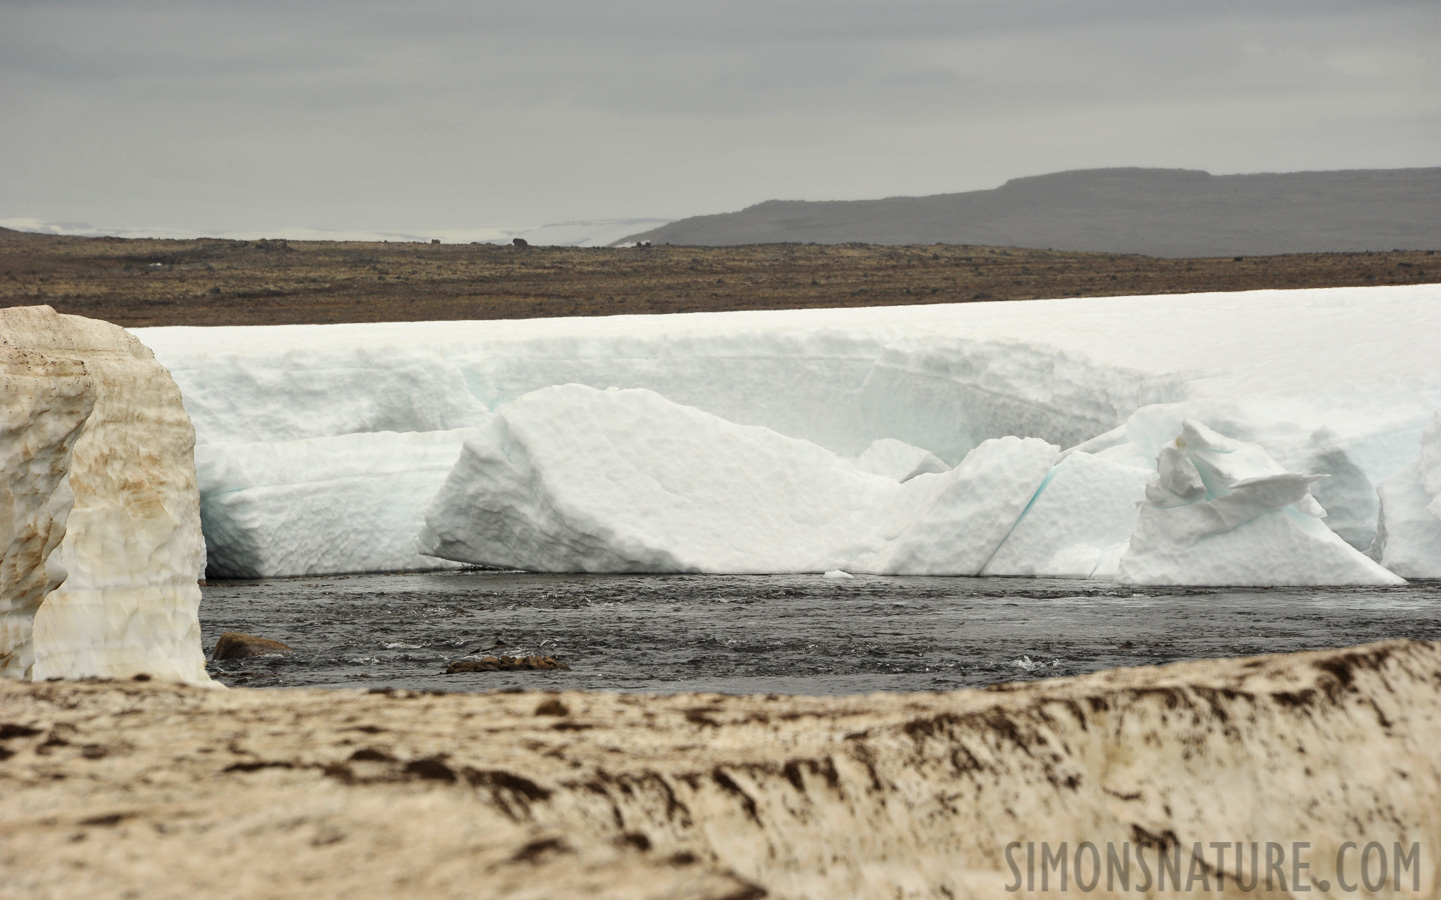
pixel 119 590
pixel 1223 512
pixel 46 402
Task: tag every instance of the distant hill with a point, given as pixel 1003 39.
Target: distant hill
pixel 1157 212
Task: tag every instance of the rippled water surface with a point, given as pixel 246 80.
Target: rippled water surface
pixel 759 634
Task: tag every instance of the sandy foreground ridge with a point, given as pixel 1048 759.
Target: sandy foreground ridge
pixel 144 789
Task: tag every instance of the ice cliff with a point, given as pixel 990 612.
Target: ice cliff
pixel 322 505
pixel 1339 382
pixel 101 535
pixel 1408 538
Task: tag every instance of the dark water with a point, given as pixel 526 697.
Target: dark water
pixel 758 634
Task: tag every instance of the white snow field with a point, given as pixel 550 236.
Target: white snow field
pixel 850 404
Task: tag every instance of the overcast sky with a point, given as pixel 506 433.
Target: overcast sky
pixel 429 116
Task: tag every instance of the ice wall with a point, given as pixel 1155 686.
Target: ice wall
pixel 239 393
pixel 1335 381
pixel 1408 538
pixel 105 546
pixel 314 506
pixel 942 377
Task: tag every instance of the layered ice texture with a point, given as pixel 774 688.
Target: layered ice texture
pixel 572 479
pixel 1408 537
pixel 324 505
pixel 1078 523
pixel 101 535
pixel 1222 511
pixel 739 429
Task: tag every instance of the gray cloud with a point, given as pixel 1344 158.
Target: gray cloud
pixel 445 115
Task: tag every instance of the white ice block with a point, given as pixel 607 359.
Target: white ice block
pixel 1082 515
pixel 1222 512
pixel 572 479
pixel 349 503
pixel 966 513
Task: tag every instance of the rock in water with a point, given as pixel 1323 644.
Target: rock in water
pixel 238 645
pixel 102 543
pixel 505 664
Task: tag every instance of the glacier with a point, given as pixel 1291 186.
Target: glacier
pixel 1336 381
pixel 102 538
